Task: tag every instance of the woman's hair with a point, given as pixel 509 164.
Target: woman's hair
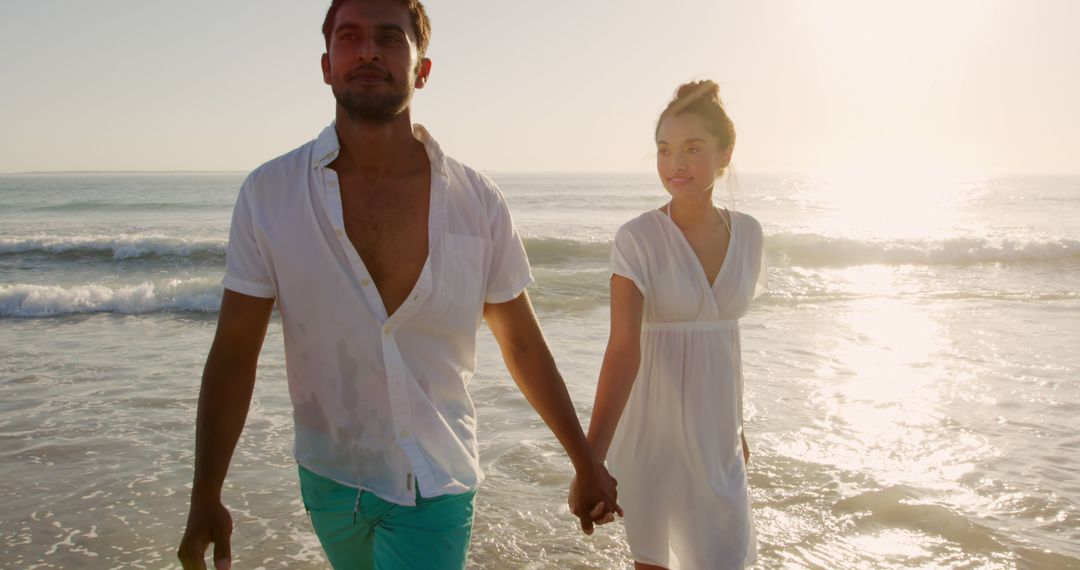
pixel 702 98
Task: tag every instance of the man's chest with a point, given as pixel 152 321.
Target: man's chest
pixel 388 228
pixel 381 226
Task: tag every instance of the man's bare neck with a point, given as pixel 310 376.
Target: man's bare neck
pixel 377 150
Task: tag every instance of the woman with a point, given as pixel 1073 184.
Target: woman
pixel 669 399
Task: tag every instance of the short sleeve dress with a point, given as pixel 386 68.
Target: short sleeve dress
pixel 677 452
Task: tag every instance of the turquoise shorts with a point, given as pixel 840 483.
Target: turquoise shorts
pixel 371 533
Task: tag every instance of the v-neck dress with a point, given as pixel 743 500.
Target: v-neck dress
pixel 677 452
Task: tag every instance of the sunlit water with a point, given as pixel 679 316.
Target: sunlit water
pixel 913 383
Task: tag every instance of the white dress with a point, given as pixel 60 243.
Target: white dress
pixel 677 452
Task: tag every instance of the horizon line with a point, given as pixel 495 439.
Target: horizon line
pixel 499 171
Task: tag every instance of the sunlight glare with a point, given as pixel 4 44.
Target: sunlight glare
pixel 874 202
pixel 882 391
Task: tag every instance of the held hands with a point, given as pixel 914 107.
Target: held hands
pixel 593 497
pixel 208 521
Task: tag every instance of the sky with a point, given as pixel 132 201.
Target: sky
pixel 965 86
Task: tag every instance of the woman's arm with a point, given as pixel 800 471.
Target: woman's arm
pixel 620 367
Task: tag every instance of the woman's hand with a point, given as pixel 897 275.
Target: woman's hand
pixel 599 513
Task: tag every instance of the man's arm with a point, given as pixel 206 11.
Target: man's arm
pixel 227 382
pixel 529 360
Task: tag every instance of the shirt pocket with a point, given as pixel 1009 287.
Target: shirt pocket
pixel 462 278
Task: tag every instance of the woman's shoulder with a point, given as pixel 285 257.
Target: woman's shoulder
pixel 748 221
pixel 638 225
pixel 751 236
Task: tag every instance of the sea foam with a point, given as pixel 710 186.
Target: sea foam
pixel 817 250
pixel 794 249
pixel 192 295
pixel 116 247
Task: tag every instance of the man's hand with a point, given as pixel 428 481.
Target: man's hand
pixel 227 383
pixel 593 497
pixel 208 521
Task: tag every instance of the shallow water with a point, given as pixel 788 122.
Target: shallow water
pixel 912 394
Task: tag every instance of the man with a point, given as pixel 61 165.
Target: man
pixel 382 255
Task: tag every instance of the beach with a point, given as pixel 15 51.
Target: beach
pixel 912 378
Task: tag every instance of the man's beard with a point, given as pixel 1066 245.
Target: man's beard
pixel 374 107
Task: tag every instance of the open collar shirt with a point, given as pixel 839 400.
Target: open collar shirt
pixel 379 401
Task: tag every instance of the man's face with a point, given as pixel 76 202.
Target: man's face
pixel 372 65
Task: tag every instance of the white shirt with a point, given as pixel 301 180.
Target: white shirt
pixel 380 402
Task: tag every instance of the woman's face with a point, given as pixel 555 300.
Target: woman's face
pixel 688 157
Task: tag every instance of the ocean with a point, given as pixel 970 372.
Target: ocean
pixel 912 376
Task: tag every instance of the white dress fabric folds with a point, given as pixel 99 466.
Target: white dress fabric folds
pixel 677 452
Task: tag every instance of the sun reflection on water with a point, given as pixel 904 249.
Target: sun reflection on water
pixel 892 544
pixel 882 389
pixel 863 204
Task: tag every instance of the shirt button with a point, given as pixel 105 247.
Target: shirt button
pixel 332 183
pixel 387 330
pixel 365 282
pixel 404 433
pixel 339 233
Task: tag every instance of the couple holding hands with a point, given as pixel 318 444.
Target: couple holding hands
pixel 383 255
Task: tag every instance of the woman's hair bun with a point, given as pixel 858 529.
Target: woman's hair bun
pixel 702 98
pixel 705 88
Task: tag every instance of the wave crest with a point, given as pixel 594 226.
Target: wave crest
pixel 817 250
pixel 118 248
pixel 793 249
pixel 192 295
pixel 560 251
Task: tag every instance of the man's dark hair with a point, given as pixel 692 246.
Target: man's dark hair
pixel 420 22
